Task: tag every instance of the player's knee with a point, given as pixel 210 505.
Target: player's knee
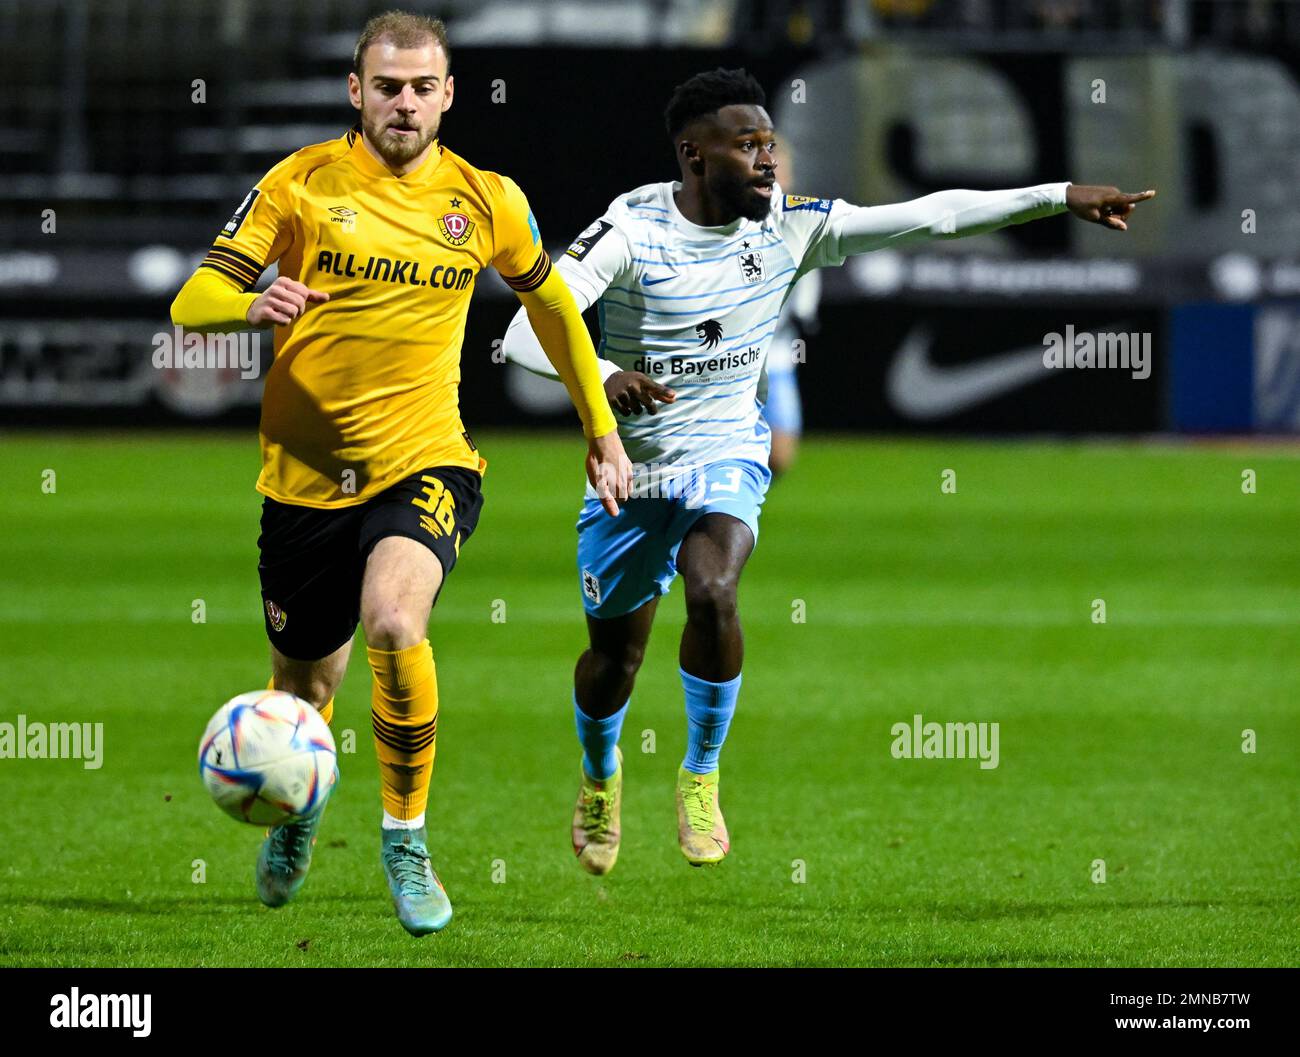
pixel 390 627
pixel 711 598
pixel 620 662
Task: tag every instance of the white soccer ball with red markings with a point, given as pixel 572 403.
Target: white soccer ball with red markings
pixel 268 758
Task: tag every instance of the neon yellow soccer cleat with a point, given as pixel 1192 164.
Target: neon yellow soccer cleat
pixel 596 820
pixel 701 831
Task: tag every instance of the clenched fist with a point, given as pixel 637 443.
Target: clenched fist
pixel 282 302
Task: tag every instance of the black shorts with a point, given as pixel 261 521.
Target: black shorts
pixel 312 560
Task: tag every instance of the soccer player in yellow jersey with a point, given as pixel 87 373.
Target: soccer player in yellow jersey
pixel 371 482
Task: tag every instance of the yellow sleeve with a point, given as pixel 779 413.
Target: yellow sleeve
pixel 519 256
pixel 563 335
pixel 210 300
pixel 259 232
pixel 517 251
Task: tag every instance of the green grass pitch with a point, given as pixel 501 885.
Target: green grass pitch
pixel 1120 742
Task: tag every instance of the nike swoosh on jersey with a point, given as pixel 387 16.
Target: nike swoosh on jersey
pixel 919 389
pixel 647 281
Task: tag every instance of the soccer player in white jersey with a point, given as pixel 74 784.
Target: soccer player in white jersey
pixel 689 278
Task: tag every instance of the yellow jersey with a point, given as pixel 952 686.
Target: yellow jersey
pixel 363 390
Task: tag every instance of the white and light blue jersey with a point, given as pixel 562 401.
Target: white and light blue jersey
pixel 694 308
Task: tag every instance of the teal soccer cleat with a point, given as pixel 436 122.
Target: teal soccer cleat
pixel 421 903
pixel 284 860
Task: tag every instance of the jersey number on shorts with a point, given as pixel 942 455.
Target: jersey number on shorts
pixel 732 485
pixel 441 507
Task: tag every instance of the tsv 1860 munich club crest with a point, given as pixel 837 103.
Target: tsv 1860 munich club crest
pixel 456 228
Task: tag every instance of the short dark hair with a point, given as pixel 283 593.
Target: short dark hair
pixel 706 93
pixel 403 30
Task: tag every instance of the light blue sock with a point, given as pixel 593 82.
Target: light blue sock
pixel 599 737
pixel 709 708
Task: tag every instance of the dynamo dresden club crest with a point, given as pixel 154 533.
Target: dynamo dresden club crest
pixel 456 228
pixel 277 616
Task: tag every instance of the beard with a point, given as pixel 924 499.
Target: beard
pixel 394 148
pixel 738 196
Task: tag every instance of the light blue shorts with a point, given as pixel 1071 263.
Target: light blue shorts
pixel 625 561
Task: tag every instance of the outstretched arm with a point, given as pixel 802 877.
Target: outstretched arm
pixel 959 213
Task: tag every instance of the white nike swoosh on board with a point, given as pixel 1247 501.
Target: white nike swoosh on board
pixel 919 389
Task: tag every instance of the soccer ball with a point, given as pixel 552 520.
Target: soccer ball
pixel 268 758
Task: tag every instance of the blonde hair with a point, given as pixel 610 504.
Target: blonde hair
pixel 403 30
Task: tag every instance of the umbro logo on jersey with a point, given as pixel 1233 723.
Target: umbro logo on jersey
pixel 456 228
pixel 345 217
pixel 647 281
pixel 709 332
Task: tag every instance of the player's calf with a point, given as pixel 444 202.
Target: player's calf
pixel 401 580
pixel 712 642
pixel 285 855
pixel 603 681
pixel 711 558
pixel 313 681
pixel 607 670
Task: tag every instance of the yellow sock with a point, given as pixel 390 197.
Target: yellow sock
pixel 404 714
pixel 326 710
